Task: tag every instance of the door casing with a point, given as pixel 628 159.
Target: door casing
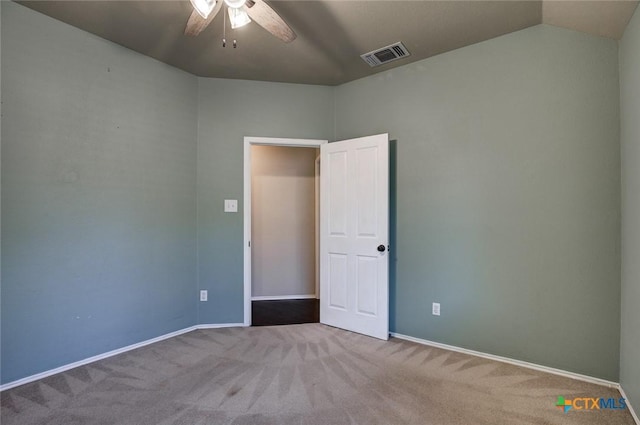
pixel 248 142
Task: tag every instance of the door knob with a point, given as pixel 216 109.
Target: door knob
pixel 381 248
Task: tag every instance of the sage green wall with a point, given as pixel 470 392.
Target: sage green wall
pixel 630 141
pixel 228 110
pixel 0 182
pixel 98 195
pixel 508 195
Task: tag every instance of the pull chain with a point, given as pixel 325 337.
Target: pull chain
pixel 224 30
pixel 224 34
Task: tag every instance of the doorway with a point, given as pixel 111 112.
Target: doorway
pixel 281 196
pixel 354 232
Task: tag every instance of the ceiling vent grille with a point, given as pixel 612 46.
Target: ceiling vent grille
pixel 386 54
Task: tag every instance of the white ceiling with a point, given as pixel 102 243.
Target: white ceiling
pixel 331 34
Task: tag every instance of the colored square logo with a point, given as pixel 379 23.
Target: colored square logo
pixel 563 404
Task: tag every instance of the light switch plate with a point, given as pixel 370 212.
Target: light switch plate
pixel 204 295
pixel 435 309
pixel 230 205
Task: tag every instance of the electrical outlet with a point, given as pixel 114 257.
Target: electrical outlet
pixel 435 309
pixel 204 294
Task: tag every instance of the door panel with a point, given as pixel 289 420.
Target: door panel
pixel 337 177
pixel 367 190
pixel 354 215
pixel 338 281
pixel 367 285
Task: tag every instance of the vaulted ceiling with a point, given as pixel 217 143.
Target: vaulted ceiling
pixel 331 34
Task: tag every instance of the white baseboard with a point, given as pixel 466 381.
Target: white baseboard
pixel 521 363
pixel 633 412
pixel 92 359
pixel 220 325
pixel 283 297
pixel 112 353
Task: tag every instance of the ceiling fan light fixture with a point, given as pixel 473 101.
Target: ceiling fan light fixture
pixel 203 7
pixel 238 17
pixel 235 4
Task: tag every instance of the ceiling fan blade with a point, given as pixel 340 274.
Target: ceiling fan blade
pixel 268 19
pixel 196 23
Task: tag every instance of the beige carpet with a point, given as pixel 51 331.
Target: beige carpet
pixel 300 374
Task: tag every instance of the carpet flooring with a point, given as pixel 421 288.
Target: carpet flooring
pixel 300 374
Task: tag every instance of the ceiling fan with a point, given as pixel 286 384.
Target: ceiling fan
pixel 241 12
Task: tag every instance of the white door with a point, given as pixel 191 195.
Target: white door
pixel 354 233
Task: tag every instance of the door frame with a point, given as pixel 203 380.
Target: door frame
pixel 263 141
